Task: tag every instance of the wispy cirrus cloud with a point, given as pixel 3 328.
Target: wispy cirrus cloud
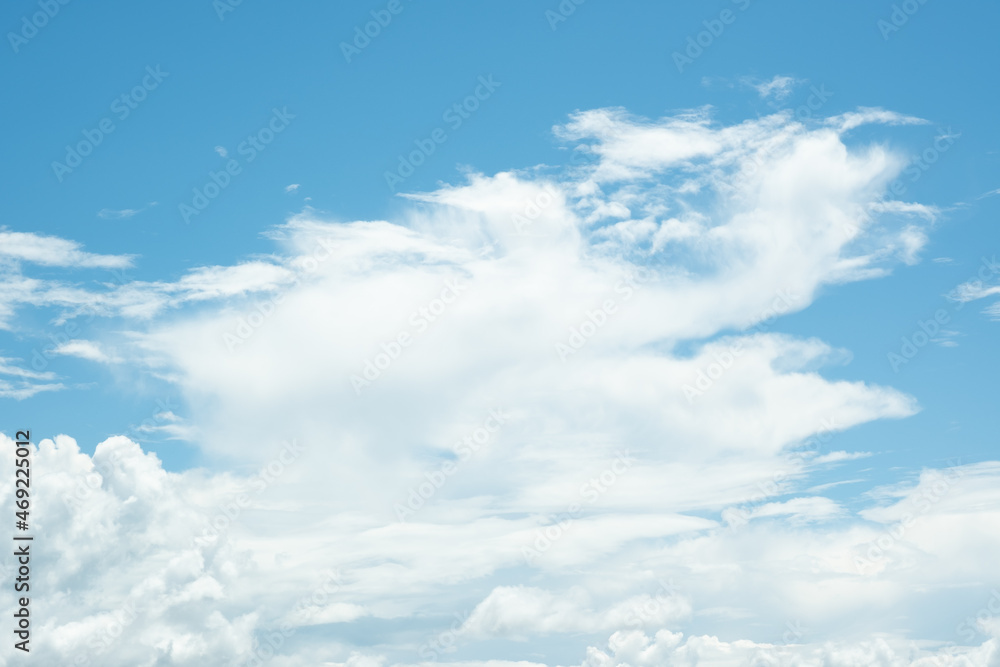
pixel 122 214
pixel 20 383
pixel 777 88
pixel 55 251
pixel 85 349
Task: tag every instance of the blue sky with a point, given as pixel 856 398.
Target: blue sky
pixel 354 119
pixel 593 99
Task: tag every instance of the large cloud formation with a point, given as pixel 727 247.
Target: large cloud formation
pixel 543 417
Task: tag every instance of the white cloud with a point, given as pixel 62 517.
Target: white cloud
pixel 801 509
pixel 661 263
pixel 25 383
pixel 780 87
pixel 54 251
pixel 9 367
pixel 110 214
pixel 173 429
pixel 292 188
pixel 85 349
pixel 518 612
pixel 839 457
pixel 635 649
pixel 973 291
pixel 155 572
pixel 122 214
pixel 864 116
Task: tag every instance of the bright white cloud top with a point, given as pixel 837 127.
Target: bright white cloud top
pixel 541 408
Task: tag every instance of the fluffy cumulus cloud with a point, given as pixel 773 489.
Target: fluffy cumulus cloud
pixel 544 417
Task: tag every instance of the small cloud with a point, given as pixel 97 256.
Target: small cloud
pixel 25 390
pixel 779 88
pixel 991 193
pixel 55 251
pixel 7 368
pixel 292 188
pixel 833 485
pixel 800 510
pixel 85 349
pixel 113 214
pixel 946 338
pixel 950 136
pixel 840 456
pixel 846 122
pixel 942 260
pixel 721 82
pixel 221 151
pixel 168 425
pixel 110 214
pixel 24 384
pixel 993 311
pixel 973 291
pixel 906 208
